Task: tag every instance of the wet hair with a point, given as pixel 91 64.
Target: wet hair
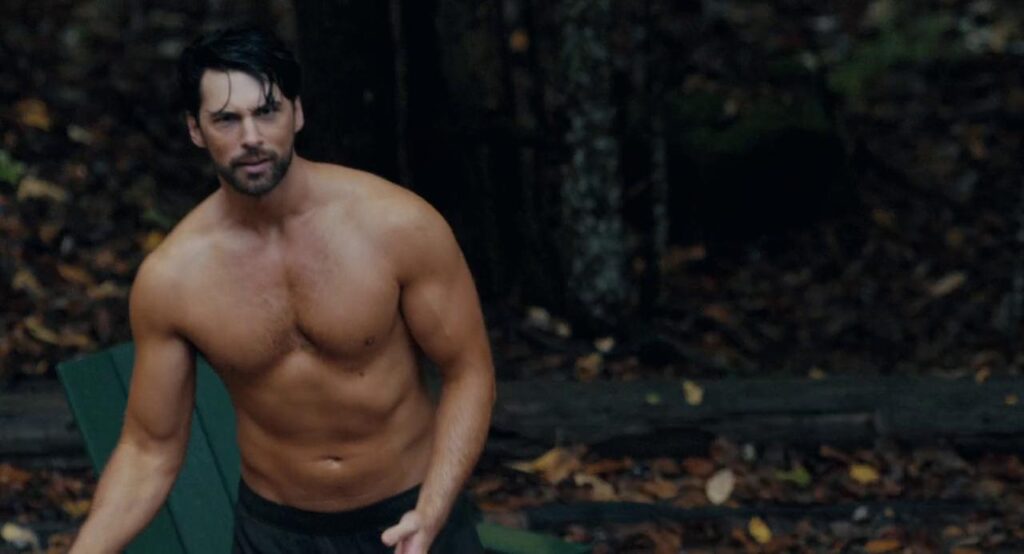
pixel 257 53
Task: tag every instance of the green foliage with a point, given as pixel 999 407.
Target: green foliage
pixel 514 541
pixel 915 40
pixel 11 170
pixel 700 117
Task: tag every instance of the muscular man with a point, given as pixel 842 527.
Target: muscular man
pixel 310 288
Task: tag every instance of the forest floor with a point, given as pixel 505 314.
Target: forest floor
pixel 922 274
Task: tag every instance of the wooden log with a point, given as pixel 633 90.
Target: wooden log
pixel 37 428
pixel 553 516
pixel 653 417
pixel 650 418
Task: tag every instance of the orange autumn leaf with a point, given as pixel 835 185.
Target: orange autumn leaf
pixel 881 546
pixel 553 466
pixel 864 474
pixel 660 488
pixel 759 530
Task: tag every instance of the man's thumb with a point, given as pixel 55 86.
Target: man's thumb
pixel 408 525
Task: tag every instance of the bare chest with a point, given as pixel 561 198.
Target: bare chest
pixel 251 309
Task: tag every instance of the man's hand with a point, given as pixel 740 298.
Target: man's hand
pixel 410 536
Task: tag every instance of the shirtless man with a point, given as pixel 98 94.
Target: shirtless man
pixel 310 288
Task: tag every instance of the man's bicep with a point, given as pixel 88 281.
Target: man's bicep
pixel 440 304
pixel 162 391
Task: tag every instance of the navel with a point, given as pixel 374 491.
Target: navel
pixel 368 341
pixel 332 462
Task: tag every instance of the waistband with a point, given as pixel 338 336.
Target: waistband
pixel 378 515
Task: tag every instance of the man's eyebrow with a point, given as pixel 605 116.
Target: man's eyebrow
pixel 220 112
pixel 272 103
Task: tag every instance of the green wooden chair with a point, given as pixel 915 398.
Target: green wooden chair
pixel 198 516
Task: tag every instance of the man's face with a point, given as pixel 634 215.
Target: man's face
pixel 250 139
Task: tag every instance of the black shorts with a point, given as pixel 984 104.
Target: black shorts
pixel 265 527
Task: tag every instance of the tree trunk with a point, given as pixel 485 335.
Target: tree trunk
pixel 446 168
pixel 595 248
pixel 348 84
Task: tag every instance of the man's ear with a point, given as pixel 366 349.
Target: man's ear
pixel 300 118
pixel 194 132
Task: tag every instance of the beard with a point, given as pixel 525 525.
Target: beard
pixel 260 184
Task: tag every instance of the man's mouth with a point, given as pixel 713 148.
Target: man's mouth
pixel 255 165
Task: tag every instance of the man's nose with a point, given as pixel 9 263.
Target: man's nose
pixel 251 133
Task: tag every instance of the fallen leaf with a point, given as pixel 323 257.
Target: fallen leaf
pixel 601 490
pixel 105 290
pixel 75 339
pixel 864 474
pixel 151 241
pixel 76 508
pixel 12 478
pixel 48 232
pixel 693 392
pixel 40 331
pixel 816 373
pixel 799 476
pixel 964 550
pixel 665 466
pixel 589 367
pixel 759 530
pixel 952 532
pixel 652 398
pixel 880 546
pixel 33 112
pixel 19 536
pixel 562 329
pixel 60 543
pixel 487 485
pixel 553 466
pixel 666 541
pixel 982 375
pixel 75 274
pixel 699 467
pixel 32 187
pixel 1011 399
pixel 609 466
pixel 538 317
pixel 25 281
pixel 826 451
pixel 604 345
pixel 719 487
pixel 80 134
pixel 947 284
pixel 661 488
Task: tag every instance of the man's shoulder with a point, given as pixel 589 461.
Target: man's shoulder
pixel 175 258
pixel 380 206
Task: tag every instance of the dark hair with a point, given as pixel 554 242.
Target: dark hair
pixel 257 53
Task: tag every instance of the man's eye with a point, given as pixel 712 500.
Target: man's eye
pixel 225 118
pixel 265 110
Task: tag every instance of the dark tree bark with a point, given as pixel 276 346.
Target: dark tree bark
pixel 445 167
pixel 595 246
pixel 657 176
pixel 348 95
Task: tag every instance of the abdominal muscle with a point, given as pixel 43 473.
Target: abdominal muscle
pixel 319 437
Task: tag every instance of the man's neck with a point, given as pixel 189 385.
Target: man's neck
pixel 291 197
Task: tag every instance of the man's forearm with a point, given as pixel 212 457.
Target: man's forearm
pixel 463 419
pixel 131 490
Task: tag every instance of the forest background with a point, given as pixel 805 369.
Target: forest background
pixel 683 191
